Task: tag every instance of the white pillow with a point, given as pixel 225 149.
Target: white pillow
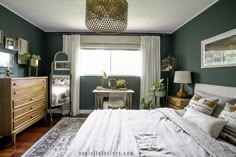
pixel 210 125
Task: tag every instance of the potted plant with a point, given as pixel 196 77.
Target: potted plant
pixel 26 57
pixel 121 84
pixel 157 90
pixel 34 60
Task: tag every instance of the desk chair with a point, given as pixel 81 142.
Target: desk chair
pixel 116 100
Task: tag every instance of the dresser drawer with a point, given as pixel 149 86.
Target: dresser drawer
pixel 20 112
pixel 26 100
pixel 24 91
pixel 18 83
pixel 25 119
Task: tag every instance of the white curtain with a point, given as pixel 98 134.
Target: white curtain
pixel 150 46
pixel 71 46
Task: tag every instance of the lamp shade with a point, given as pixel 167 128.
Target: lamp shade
pixel 182 77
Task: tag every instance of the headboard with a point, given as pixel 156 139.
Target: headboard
pixel 224 91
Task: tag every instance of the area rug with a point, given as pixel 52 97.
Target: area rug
pixel 56 141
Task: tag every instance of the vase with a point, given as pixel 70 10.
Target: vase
pixel 34 62
pixel 160 93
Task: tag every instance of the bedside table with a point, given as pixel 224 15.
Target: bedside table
pixel 177 103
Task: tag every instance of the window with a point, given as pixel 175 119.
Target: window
pixel 113 62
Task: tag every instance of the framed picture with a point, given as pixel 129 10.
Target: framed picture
pixel 10 44
pixel 219 51
pixel 22 48
pixel 6 59
pixel 1 37
pixel 62 65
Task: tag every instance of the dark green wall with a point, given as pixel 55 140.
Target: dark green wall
pixel 217 19
pixel 89 83
pixel 15 27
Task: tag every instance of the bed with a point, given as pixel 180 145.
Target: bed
pixel 161 132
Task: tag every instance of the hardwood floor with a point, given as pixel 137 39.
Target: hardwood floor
pixel 28 137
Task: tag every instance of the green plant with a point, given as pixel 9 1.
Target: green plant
pixel 121 83
pixel 26 56
pixel 148 101
pixel 36 57
pixel 29 56
pixel 158 86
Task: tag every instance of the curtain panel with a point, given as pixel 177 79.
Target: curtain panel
pixel 71 46
pixel 151 62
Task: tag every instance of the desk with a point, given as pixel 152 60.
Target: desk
pixel 101 93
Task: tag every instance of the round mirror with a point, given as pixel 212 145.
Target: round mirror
pixel 112 83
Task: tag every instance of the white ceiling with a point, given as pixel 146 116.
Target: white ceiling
pixel 146 16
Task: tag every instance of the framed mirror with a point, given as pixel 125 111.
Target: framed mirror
pixel 60 85
pixel 6 59
pixel 219 51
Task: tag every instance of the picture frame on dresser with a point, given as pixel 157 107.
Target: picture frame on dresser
pixel 23 47
pixel 11 44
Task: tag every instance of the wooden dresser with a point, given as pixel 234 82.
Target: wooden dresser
pixel 23 101
pixel 177 103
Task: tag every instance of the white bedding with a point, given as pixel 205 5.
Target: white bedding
pixel 160 132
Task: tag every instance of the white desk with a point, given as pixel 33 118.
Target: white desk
pixel 101 93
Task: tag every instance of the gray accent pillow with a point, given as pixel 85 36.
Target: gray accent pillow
pixel 220 104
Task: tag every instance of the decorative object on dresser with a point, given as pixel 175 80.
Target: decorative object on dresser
pixel 182 77
pixel 33 61
pixel 177 103
pixel 23 101
pixel 60 85
pixel 22 49
pixel 6 61
pixel 10 44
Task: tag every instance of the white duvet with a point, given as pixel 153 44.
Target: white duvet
pixel 157 133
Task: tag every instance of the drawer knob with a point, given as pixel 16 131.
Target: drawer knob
pixel 31 99
pixel 14 83
pixel 15 92
pixel 32 107
pixel 31 116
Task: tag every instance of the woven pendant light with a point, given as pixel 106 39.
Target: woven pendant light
pixel 106 16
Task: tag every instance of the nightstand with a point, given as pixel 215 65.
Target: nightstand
pixel 177 103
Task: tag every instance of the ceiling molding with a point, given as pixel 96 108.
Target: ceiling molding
pixel 22 17
pixel 195 15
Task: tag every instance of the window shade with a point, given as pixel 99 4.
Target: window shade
pixel 110 42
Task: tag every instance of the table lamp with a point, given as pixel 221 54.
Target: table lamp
pixel 182 77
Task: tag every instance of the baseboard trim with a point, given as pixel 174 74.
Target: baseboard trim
pixel 85 111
